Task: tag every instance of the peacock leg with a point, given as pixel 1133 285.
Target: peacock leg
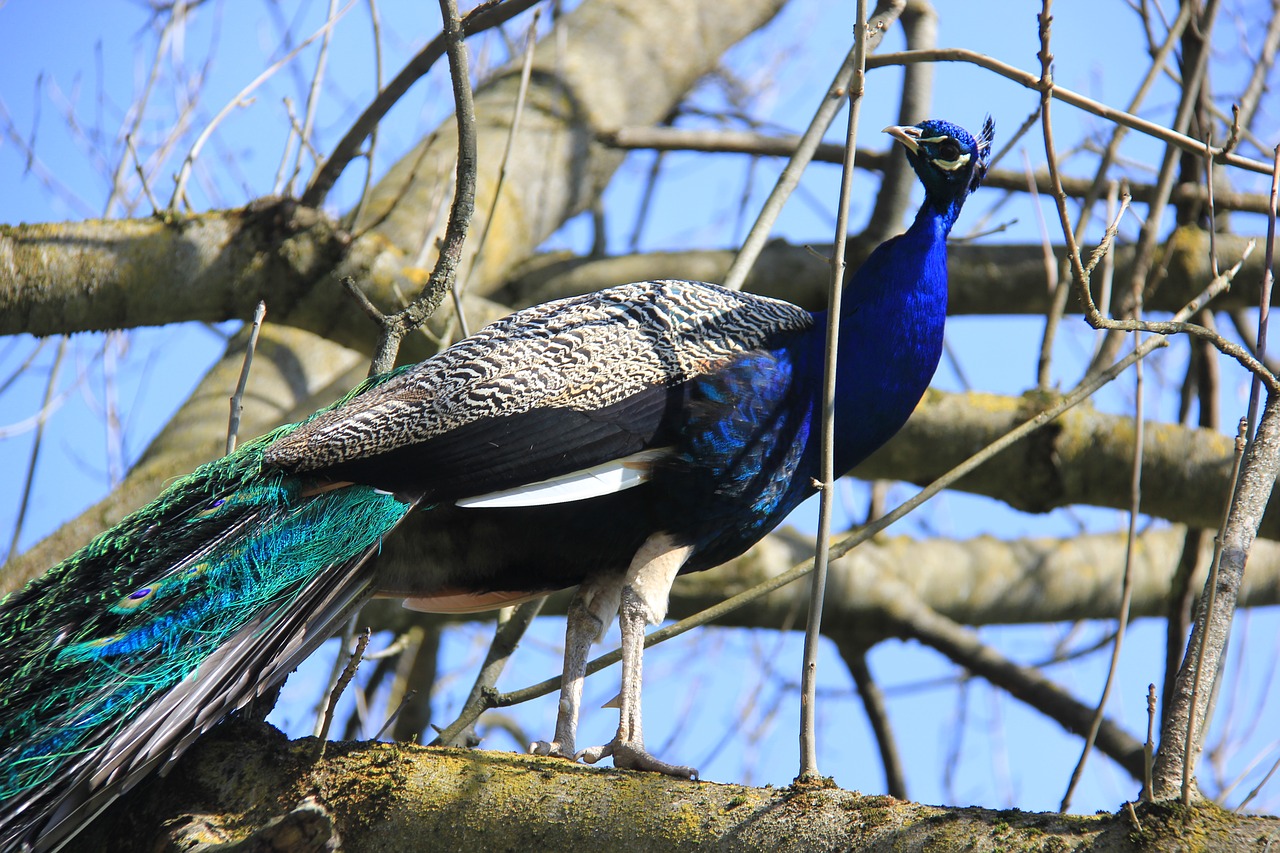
pixel 590 613
pixel 644 602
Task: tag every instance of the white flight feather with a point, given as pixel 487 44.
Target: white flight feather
pixel 606 478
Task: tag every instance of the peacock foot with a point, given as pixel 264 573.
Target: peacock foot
pixel 632 756
pixel 553 748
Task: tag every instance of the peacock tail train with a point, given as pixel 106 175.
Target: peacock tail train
pixel 186 609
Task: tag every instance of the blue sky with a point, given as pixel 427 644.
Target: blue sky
pixel 91 61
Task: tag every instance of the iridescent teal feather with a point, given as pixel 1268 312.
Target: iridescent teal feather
pixel 220 558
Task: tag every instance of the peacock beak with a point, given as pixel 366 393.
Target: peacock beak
pixel 906 134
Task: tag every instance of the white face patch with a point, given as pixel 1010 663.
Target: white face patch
pixel 945 165
pixel 952 165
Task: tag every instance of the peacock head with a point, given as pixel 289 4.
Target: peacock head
pixel 951 163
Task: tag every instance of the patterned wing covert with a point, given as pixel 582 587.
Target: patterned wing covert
pixel 582 353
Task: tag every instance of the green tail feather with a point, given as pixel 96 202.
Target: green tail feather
pixel 221 557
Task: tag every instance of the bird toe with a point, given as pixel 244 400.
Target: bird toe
pixel 631 756
pixel 551 748
pixel 592 754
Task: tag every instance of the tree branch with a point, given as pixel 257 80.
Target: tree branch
pixel 391 797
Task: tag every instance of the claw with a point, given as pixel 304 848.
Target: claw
pixel 551 748
pixel 629 756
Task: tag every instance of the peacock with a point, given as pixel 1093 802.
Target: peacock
pixel 609 441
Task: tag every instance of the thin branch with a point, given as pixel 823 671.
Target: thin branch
pixel 444 275
pixel 505 640
pixel 313 100
pixel 348 673
pixel 1048 88
pixel 237 399
pixel 526 70
pixel 138 109
pixel 914 619
pixel 184 174
pixel 375 24
pixel 886 12
pixel 759 144
pixel 1264 298
pixel 29 479
pixel 1094 192
pixel 485 16
pixel 1031 81
pixel 827 472
pixel 895 777
pixel 1148 746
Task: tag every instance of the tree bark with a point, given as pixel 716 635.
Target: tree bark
pixel 248 788
pixel 984 278
pixel 1191 705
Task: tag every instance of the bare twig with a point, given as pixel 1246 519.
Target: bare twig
pixel 313 99
pixel 1264 298
pixel 348 673
pixel 1032 81
pixel 895 777
pixel 394 715
pixel 1094 192
pixel 1148 746
pixel 526 70
pixel 1258 788
pixel 375 24
pixel 827 473
pixel 28 480
pixel 505 639
pixel 487 15
pixel 184 174
pixel 912 618
pixel 1126 593
pixel 1057 285
pixel 755 143
pixel 885 13
pixel 237 399
pixel 142 175
pixel 1081 275
pixel 444 275
pixel 139 109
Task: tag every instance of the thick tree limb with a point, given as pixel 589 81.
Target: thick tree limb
pixel 106 274
pixel 97 274
pixel 390 798
pixel 982 581
pixel 984 279
pixel 1078 459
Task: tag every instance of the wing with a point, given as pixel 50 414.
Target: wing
pixel 550 391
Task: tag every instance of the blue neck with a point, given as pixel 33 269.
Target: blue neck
pixel 895 303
